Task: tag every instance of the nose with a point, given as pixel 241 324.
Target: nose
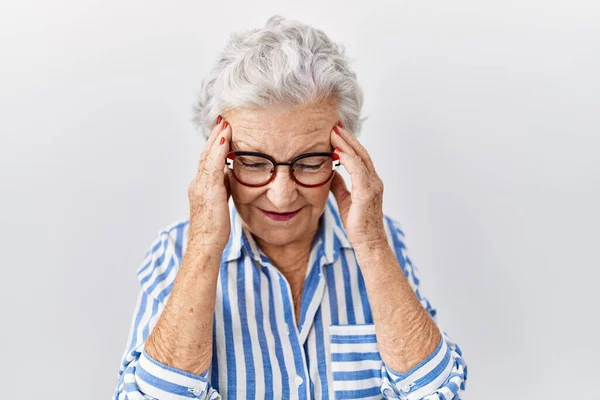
pixel 282 190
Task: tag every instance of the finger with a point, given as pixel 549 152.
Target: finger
pixel 210 141
pixel 339 143
pixel 215 160
pixel 359 149
pixel 350 159
pixel 355 167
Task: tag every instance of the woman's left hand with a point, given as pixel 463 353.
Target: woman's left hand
pixel 362 210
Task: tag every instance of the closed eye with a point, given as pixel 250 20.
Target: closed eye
pixel 255 165
pixel 311 166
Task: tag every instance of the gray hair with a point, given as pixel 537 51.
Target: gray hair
pixel 284 63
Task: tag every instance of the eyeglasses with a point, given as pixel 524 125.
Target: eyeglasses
pixel 257 169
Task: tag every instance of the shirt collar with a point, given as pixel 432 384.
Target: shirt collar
pixel 330 239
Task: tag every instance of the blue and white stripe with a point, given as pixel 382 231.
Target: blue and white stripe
pixel 259 352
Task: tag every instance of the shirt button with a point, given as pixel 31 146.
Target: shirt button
pixel 196 391
pixel 299 380
pixel 406 388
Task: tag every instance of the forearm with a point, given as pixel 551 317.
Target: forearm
pixel 183 335
pixel 406 335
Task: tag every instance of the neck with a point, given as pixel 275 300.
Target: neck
pixel 290 258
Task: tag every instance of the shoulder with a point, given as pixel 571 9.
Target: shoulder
pixel 157 272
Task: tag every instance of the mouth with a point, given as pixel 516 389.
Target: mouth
pixel 277 216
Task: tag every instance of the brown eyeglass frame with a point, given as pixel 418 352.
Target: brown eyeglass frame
pixel 233 154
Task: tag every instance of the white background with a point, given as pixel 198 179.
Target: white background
pixel 483 120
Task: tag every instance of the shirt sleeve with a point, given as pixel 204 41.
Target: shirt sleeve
pixel 141 377
pixel 443 374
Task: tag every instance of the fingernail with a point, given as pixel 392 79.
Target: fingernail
pixel 335 129
pixel 225 125
pixel 338 149
pixel 222 140
pixel 219 119
pixel 340 124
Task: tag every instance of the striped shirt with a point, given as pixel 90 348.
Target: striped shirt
pixel 259 351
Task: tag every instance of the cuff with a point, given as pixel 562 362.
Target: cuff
pixel 167 383
pixel 426 377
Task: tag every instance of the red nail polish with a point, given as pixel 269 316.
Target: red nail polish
pixel 340 124
pixel 335 129
pixel 222 140
pixel 338 149
pixel 219 119
pixel 225 125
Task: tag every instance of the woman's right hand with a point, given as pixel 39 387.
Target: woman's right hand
pixel 209 192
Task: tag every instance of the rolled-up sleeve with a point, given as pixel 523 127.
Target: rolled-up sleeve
pixel 443 374
pixel 140 376
pixel 163 382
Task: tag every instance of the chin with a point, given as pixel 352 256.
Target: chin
pixel 276 239
pixel 278 233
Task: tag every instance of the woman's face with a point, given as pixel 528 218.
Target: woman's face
pixel 283 134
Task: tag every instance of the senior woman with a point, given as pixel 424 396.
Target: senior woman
pixel 284 291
